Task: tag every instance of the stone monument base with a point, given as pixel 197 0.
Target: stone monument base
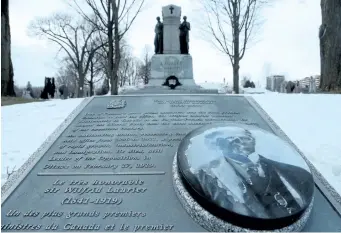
pixel 148 89
pixel 164 66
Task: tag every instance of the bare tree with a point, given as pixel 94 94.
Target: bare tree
pixel 231 24
pixel 96 73
pixel 330 45
pixel 76 38
pixel 114 19
pixel 67 75
pixel 145 66
pixel 134 72
pixel 9 173
pixel 7 74
pixel 244 80
pixel 127 67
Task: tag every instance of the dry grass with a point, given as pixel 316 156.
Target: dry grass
pixel 5 101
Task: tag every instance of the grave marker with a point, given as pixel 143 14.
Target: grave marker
pixel 109 167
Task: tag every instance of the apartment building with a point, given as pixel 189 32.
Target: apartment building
pixel 306 81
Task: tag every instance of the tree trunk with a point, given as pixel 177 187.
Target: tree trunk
pixel 7 82
pixel 80 93
pixel 330 45
pixel 236 49
pixel 236 78
pixel 114 88
pixel 91 83
pixel 111 59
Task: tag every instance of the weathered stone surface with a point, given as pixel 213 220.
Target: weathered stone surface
pixel 171 22
pixel 166 90
pixel 111 169
pixel 178 65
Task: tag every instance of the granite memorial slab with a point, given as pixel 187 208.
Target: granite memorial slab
pixel 115 165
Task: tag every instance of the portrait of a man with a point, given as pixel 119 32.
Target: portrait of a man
pixel 241 179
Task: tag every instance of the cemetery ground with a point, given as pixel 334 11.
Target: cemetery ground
pixel 311 121
pixel 16 100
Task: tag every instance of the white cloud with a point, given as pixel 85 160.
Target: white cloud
pixel 289 41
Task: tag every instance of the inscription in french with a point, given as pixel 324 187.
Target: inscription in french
pixel 110 170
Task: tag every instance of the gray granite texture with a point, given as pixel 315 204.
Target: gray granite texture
pixel 110 169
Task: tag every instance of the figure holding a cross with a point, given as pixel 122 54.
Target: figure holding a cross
pixel 185 27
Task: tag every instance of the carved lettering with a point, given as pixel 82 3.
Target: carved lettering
pixel 78 182
pixel 120 157
pixel 126 190
pixel 59 182
pixel 53 166
pixel 60 159
pixel 159 227
pixel 127 214
pixel 52 214
pixel 82 190
pixel 52 190
pixel 21 227
pixel 31 213
pixel 101 166
pixel 78 201
pixel 145 165
pixel 13 213
pixel 118 182
pixel 124 227
pixel 72 214
pixel 87 201
pixel 52 227
pixel 79 227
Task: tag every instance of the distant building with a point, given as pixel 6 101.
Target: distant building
pixel 304 83
pixel 274 82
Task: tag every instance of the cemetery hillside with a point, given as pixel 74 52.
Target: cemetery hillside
pixel 170 116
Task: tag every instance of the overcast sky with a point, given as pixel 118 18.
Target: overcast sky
pixel 289 42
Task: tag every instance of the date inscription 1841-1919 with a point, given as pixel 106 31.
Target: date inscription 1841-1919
pixel 109 169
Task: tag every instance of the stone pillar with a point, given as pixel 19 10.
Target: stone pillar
pixel 171 21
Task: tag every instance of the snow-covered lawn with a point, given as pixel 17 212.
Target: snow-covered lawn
pixel 26 126
pixel 311 121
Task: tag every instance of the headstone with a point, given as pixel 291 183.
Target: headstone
pixel 63 91
pixel 26 94
pixel 111 167
pixel 312 85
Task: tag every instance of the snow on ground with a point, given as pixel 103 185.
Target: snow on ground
pixel 128 88
pixel 212 85
pixel 311 121
pixel 256 90
pixel 26 126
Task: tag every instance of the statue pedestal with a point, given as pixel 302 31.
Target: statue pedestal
pixel 164 66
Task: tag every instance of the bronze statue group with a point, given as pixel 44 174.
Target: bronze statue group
pixel 184 28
